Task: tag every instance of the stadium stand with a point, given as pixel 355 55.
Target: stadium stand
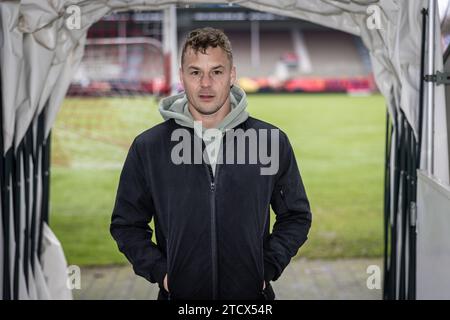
pixel 334 54
pixel 124 55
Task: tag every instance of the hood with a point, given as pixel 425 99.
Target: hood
pixel 176 107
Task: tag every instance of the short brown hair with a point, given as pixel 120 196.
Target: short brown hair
pixel 203 38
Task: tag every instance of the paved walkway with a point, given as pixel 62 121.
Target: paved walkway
pixel 302 280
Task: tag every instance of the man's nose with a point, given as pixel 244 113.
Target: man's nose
pixel 205 80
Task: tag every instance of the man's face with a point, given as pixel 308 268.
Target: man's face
pixel 207 79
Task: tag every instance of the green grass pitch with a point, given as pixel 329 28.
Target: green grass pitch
pixel 338 141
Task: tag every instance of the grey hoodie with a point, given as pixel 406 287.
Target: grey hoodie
pixel 176 107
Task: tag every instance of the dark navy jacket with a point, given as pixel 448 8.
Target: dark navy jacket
pixel 212 231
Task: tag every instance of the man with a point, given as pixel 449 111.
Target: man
pixel 211 216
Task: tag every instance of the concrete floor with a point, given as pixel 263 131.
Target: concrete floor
pixel 301 280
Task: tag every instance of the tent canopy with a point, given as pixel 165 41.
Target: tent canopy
pixel 40 51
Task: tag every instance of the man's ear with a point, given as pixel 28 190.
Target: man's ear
pixel 233 76
pixel 180 75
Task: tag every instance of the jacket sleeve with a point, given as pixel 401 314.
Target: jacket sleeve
pixel 133 211
pixel 293 215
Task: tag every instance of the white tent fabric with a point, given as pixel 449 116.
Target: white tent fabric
pixel 39 54
pixel 394 50
pixel 42 288
pixel 54 267
pixel 11 64
pixel 441 162
pixel 433 260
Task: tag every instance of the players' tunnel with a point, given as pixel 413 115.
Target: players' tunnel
pixel 42 46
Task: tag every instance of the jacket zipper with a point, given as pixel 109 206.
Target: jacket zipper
pixel 213 184
pixel 213 230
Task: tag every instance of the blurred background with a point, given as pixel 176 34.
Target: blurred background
pixel 314 83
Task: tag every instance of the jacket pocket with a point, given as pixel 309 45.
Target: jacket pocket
pixel 168 287
pixel 279 201
pixel 168 269
pixel 268 293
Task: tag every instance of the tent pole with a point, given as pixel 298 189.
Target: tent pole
pixel 430 87
pixel 396 186
pixel 46 178
pixel 402 211
pixel 34 154
pixel 387 201
pixel 40 157
pixel 8 219
pixel 5 211
pixel 422 80
pixel 410 202
pixel 412 222
pixel 16 172
pixel 26 244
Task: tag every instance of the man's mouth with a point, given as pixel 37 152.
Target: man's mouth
pixel 206 97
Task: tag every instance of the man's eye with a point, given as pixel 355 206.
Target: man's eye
pixel 216 72
pixel 194 73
